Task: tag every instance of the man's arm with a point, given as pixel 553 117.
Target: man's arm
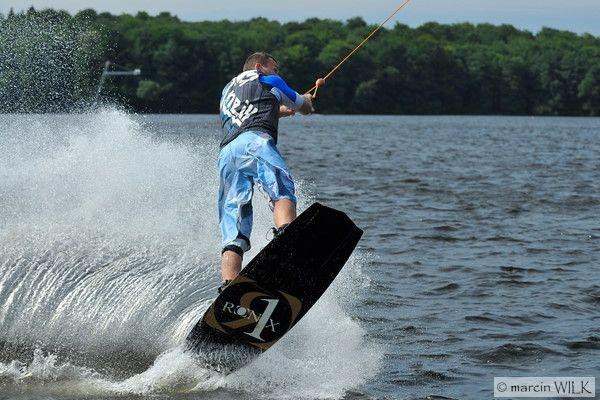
pixel 287 96
pixel 285 111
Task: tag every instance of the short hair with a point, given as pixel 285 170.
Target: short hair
pixel 258 58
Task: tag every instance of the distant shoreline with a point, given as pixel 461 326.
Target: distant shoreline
pixel 434 69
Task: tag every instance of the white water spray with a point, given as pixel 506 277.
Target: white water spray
pixel 109 254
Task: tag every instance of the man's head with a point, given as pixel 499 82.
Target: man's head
pixel 263 62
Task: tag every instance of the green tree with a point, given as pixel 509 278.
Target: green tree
pixel 432 69
pixel 589 90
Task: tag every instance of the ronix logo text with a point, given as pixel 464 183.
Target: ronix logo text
pixel 249 316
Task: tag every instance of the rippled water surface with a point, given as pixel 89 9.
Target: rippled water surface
pixel 480 256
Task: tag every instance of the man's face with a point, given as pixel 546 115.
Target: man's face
pixel 270 68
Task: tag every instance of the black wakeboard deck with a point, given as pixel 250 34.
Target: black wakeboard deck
pixel 275 290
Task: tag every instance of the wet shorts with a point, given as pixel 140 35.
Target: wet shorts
pixel 250 158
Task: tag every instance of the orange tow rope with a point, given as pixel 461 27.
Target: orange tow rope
pixel 321 81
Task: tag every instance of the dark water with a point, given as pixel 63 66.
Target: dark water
pixel 486 233
pixel 480 256
pixel 486 236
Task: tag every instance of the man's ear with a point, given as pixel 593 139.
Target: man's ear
pixel 257 66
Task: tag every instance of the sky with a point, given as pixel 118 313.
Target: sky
pixel 575 15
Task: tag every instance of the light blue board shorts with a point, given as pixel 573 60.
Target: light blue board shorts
pixel 249 158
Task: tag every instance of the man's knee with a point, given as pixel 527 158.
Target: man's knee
pixel 286 201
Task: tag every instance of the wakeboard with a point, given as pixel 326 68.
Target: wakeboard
pixel 275 290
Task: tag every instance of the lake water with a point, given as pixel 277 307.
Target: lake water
pixel 480 256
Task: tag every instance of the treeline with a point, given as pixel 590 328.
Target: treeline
pixel 433 69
